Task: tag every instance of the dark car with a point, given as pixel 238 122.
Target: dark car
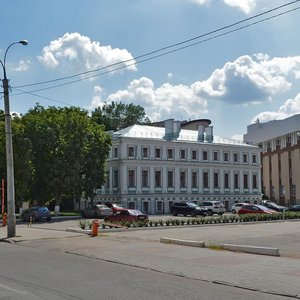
pixel 124 214
pixel 36 213
pixel 188 208
pixel 274 206
pixel 96 211
pixel 295 207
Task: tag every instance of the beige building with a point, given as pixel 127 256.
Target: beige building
pixel 280 142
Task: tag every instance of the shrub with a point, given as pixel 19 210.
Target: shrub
pixel 161 222
pixel 83 224
pixel 182 221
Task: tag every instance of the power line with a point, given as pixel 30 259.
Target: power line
pixel 133 60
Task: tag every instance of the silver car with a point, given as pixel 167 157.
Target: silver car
pixel 96 211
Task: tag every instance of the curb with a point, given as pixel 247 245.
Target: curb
pixel 252 249
pixel 166 240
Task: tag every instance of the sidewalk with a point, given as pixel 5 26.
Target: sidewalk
pixel 141 248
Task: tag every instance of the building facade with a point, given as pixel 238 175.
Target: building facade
pixel 280 144
pixel 150 167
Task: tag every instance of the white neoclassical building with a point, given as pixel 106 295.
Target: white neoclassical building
pixel 150 167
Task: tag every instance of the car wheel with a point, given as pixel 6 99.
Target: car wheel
pixel 174 214
pixel 49 219
pixel 233 211
pixel 220 214
pixel 210 212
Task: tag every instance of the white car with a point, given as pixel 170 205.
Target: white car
pixel 213 207
pixel 237 206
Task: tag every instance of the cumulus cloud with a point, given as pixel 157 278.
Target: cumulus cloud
pixel 201 2
pixel 249 79
pixel 176 101
pixel 246 6
pixel 22 66
pixel 77 53
pixel 289 108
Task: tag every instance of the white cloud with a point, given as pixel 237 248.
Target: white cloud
pixel 249 79
pixel 246 6
pixel 176 101
pixel 201 2
pixel 289 108
pixel 77 53
pixel 22 66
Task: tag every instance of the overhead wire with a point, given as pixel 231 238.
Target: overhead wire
pixel 133 60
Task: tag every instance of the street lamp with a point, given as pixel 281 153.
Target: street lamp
pixel 11 217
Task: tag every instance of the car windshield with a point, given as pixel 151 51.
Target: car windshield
pixel 43 209
pixel 193 205
pixel 135 212
pixel 261 207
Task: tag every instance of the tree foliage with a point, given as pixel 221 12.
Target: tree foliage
pixel 117 115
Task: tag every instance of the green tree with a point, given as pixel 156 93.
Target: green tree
pixel 116 116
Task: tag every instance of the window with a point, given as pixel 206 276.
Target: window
pixel 254 181
pixel 157 178
pixel 205 179
pixel 115 178
pixel 236 181
pixel 293 190
pixel 130 151
pixel 254 159
pixel 246 181
pixel 235 157
pixel 245 158
pixel 216 156
pixel 170 153
pixel 183 179
pixel 115 152
pixel 205 155
pixel 131 178
pixel 194 179
pixel 157 152
pixel 282 190
pixel 194 155
pixel 216 180
pixel 145 178
pixel 170 179
pixel 226 180
pixel 145 152
pixel 226 156
pixel 182 154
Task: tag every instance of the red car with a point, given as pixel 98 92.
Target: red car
pixel 255 209
pixel 114 207
pixel 124 214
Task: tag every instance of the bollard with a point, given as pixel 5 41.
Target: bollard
pixel 4 219
pixel 95 226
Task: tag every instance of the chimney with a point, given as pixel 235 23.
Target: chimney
pixel 209 134
pixel 201 130
pixel 172 129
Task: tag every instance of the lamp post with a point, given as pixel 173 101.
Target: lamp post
pixel 11 217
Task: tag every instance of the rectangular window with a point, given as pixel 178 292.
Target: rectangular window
pixel 293 190
pixel 182 154
pixel 236 181
pixel 157 153
pixel 194 179
pixel 205 155
pixel 205 180
pixel 254 181
pixel 246 181
pixel 216 156
pixel 226 180
pixel 194 155
pixel 170 153
pixel 115 178
pixel 245 158
pixel 235 157
pixel 183 179
pixel 254 158
pixel 145 178
pixel 216 180
pixel 170 179
pixel 145 152
pixel 157 178
pixel 131 178
pixel 226 157
pixel 115 152
pixel 130 151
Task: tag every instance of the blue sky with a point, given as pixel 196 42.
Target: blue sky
pixel 235 79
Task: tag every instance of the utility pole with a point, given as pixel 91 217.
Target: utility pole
pixel 11 215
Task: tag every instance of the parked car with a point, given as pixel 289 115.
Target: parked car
pixel 237 206
pixel 187 208
pixel 127 215
pixel 96 211
pixel 213 207
pixel 295 207
pixel 274 206
pixel 36 213
pixel 255 209
pixel 113 206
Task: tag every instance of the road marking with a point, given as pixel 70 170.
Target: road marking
pixel 12 289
